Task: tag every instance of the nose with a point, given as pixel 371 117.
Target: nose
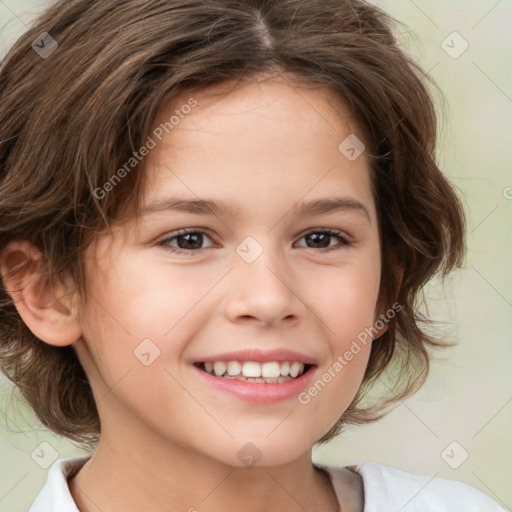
pixel 264 291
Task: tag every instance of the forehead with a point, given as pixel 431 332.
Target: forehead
pixel 256 142
pixel 263 100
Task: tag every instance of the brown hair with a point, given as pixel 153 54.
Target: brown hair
pixel 70 120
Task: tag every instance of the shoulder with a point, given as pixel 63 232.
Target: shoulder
pixel 386 488
pixel 55 494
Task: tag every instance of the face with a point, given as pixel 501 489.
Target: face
pixel 265 276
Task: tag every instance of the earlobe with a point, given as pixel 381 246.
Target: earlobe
pixel 45 308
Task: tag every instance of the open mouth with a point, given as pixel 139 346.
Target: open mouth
pixel 251 371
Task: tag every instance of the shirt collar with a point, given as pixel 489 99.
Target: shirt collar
pixel 56 496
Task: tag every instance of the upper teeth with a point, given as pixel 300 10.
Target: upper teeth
pixel 255 369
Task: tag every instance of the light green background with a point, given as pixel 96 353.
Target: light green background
pixel 468 396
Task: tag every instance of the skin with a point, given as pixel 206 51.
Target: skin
pixel 169 441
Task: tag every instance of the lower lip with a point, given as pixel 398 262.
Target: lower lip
pixel 258 392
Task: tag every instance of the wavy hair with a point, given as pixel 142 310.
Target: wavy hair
pixel 70 120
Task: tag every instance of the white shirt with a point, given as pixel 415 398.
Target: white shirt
pixel 385 490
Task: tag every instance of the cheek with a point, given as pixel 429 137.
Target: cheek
pixel 144 300
pixel 134 302
pixel 347 312
pixel 345 299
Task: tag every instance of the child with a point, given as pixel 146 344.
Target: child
pixel 203 375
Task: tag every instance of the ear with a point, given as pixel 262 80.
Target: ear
pixel 398 272
pixel 46 309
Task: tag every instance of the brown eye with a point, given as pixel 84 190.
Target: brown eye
pixel 321 240
pixel 187 240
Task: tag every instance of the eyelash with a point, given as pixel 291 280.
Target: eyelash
pixel 344 242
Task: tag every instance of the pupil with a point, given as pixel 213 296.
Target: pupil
pixel 188 236
pixel 193 240
pixel 316 236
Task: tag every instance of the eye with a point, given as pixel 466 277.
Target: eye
pixel 189 241
pixel 323 237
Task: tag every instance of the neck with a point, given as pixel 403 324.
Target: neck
pixel 146 475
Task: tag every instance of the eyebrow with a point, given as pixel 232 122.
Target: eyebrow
pixel 220 208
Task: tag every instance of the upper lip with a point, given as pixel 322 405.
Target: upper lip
pixel 259 355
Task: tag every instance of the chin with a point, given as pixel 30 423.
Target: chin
pixel 261 451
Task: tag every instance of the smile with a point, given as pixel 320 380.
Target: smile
pixel 271 372
pixel 243 383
